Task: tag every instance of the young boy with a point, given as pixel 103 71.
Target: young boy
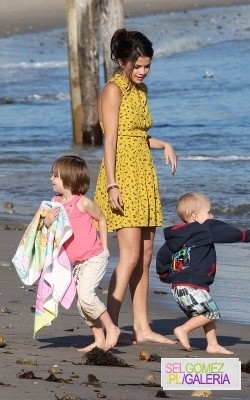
pixel 187 260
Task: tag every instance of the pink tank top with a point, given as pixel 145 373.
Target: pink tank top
pixel 85 242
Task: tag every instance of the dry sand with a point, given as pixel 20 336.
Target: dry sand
pixel 56 345
pixel 23 16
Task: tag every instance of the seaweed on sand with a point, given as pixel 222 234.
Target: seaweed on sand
pixel 99 357
pixel 245 367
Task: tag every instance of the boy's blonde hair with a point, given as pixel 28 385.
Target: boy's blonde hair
pixel 188 204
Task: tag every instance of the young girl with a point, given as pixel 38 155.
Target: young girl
pixel 87 251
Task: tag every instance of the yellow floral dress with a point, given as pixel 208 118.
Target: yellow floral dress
pixel 135 172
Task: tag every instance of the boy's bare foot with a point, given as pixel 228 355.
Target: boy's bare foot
pixel 111 338
pixel 182 336
pixel 217 349
pixel 150 336
pixel 91 347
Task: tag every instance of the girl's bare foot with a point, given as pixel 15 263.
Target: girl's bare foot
pixel 150 336
pixel 217 349
pixel 182 336
pixel 111 338
pixel 91 347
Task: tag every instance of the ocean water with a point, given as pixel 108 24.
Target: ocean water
pixel 199 97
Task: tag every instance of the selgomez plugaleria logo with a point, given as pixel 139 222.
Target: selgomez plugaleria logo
pixel 201 373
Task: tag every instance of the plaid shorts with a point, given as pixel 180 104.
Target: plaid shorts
pixel 195 302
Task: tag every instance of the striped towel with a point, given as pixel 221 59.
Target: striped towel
pixel 41 255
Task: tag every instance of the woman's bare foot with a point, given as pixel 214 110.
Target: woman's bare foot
pixel 111 338
pixel 150 336
pixel 91 347
pixel 182 336
pixel 124 340
pixel 217 349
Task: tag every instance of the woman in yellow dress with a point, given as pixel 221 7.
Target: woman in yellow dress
pixel 127 188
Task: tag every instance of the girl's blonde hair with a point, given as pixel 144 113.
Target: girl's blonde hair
pixel 188 204
pixel 73 172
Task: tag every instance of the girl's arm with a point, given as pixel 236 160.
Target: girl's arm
pixel 169 152
pixel 87 205
pixel 109 108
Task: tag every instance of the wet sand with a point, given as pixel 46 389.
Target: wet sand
pixel 57 344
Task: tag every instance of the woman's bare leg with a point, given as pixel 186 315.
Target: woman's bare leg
pixel 135 252
pixel 139 283
pixel 129 240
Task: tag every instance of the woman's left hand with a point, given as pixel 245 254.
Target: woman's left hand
pixel 170 156
pixel 169 153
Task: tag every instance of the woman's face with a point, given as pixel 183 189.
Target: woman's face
pixel 140 70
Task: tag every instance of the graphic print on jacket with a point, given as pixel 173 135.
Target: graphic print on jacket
pixel 181 259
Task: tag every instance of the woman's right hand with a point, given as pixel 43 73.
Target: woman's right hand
pixel 115 200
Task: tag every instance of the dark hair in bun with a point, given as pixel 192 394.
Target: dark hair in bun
pixel 128 46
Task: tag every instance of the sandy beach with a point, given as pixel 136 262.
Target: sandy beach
pixel 57 344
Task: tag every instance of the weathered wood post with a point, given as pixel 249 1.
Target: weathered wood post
pixel 75 87
pixel 84 17
pixel 112 18
pixel 88 49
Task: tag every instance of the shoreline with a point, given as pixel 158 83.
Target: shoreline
pixel 26 17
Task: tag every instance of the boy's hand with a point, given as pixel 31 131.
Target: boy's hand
pixel 51 216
